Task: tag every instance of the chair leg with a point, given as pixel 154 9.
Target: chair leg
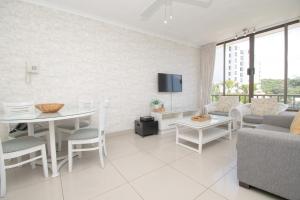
pixel 45 162
pixel 104 147
pixel 101 155
pixel 59 141
pixel 70 155
pixel 2 179
pixel 19 159
pixel 48 144
pixel 79 146
pixel 32 155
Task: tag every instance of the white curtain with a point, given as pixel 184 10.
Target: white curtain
pixel 207 62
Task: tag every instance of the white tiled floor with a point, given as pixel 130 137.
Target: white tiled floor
pixel 150 168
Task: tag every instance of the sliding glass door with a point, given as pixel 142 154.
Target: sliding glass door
pixel 236 65
pixel 269 65
pixel 293 93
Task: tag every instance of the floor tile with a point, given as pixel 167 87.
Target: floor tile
pixel 167 183
pixel 118 149
pixel 136 165
pixel 88 159
pixel 210 195
pixel 46 190
pixel 228 186
pixel 170 152
pixel 124 192
pixel 23 176
pixel 154 141
pixel 202 169
pixel 90 182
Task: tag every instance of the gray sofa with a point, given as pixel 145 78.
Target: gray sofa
pixel 268 157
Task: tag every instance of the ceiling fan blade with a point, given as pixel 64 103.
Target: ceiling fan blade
pixel 201 3
pixel 150 10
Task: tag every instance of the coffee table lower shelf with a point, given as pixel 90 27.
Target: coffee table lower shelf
pixel 200 137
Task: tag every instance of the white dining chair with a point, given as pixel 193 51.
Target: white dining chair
pixel 25 110
pixel 68 127
pixel 19 147
pixel 89 136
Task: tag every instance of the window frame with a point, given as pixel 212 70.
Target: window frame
pixel 251 69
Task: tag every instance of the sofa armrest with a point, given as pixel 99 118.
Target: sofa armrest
pixel 238 112
pixel 210 107
pixel 269 160
pixel 283 121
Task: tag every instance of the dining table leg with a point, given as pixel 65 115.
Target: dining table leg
pixel 30 128
pixel 53 149
pixel 77 126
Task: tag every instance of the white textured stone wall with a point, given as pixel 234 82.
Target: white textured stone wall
pixel 78 57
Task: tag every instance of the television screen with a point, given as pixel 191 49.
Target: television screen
pixel 169 82
pixel 177 83
pixel 164 82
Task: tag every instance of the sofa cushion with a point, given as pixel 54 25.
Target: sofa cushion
pixel 253 119
pixel 273 128
pixel 218 113
pixel 283 121
pixel 264 106
pixel 225 103
pixel 295 127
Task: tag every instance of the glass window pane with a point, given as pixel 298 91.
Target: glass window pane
pixel 293 97
pixel 217 87
pixel 269 65
pixel 237 62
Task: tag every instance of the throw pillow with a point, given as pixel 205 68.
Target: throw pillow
pixel 295 126
pixel 264 106
pixel 225 103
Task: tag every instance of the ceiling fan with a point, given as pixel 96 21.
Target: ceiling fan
pixel 157 4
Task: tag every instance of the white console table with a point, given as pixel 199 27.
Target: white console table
pixel 166 120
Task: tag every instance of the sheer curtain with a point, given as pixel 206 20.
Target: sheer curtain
pixel 207 62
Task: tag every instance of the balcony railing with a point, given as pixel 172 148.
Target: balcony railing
pixel 292 100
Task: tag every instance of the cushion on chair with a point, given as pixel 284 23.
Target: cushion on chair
pixel 84 133
pixel 226 103
pixel 21 143
pixel 264 106
pixel 273 128
pixel 218 113
pixel 71 126
pixel 253 119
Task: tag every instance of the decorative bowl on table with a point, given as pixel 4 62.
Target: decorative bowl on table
pixel 49 107
pixel 201 118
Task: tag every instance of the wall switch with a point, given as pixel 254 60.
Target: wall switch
pixel 34 69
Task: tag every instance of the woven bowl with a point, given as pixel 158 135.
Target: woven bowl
pixel 49 107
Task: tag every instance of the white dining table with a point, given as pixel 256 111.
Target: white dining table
pixel 65 113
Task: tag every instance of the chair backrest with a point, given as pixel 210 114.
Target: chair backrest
pixel 102 117
pixel 22 108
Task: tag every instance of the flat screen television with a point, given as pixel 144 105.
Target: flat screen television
pixel 169 82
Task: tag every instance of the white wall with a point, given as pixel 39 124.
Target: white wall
pixel 78 56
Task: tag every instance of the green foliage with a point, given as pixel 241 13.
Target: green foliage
pixel 155 102
pixel 294 86
pixel 272 86
pixel 229 85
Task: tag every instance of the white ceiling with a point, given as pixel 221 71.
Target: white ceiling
pixel 192 25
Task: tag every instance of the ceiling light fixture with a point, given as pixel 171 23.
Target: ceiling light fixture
pixel 171 10
pixel 165 13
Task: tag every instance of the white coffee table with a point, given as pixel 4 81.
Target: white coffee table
pixel 200 133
